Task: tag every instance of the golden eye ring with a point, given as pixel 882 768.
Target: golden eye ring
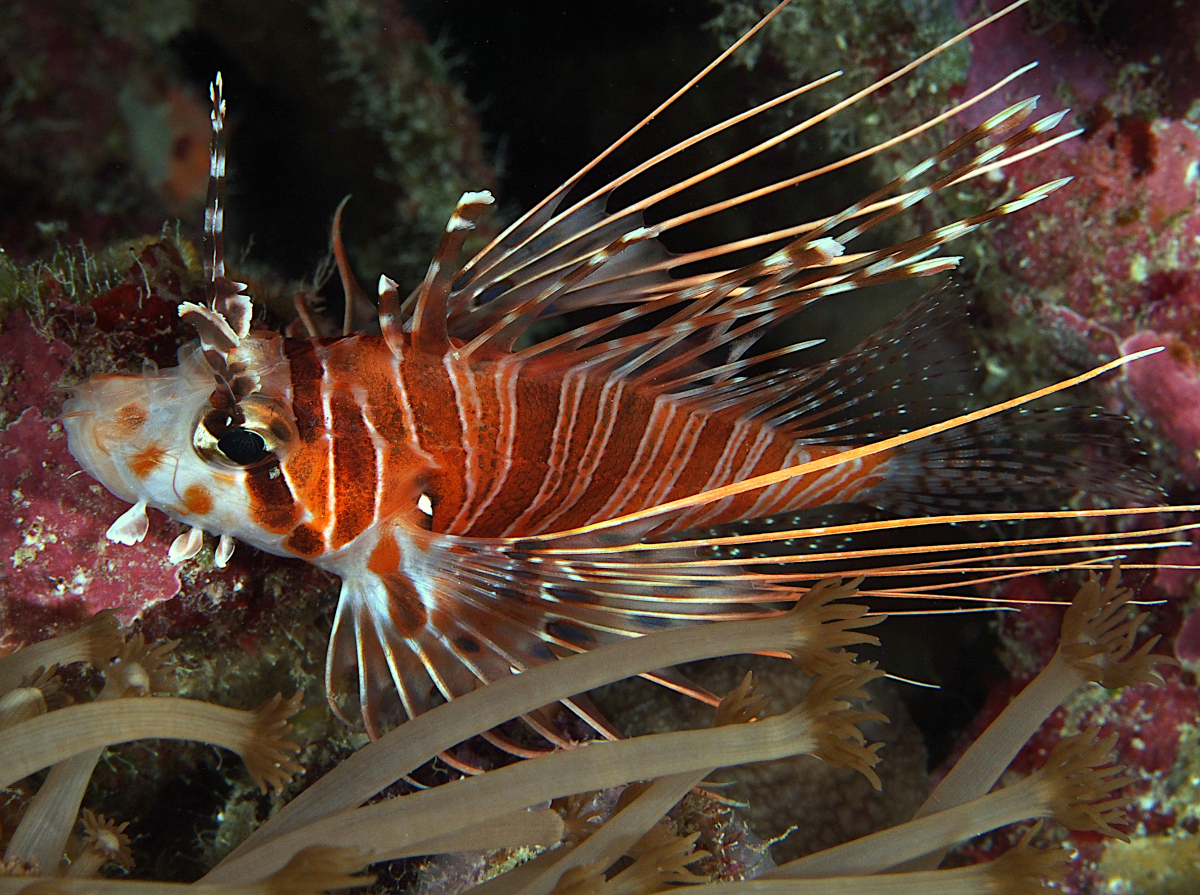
pixel 256 432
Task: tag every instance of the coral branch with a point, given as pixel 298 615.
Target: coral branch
pixel 105 841
pixel 621 832
pixel 817 624
pixel 41 837
pixel 1068 788
pixel 37 694
pixel 312 871
pixel 94 643
pixel 257 736
pixel 1022 870
pixel 812 727
pixel 1096 645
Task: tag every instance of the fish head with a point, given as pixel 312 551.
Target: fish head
pixel 167 439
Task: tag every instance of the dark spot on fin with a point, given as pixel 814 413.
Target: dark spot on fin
pixel 405 609
pixel 492 292
pixel 654 621
pixel 467 644
pixel 570 633
pixel 570 594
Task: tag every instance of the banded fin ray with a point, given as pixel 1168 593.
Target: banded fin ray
pixel 493 613
pixel 506 605
pixel 513 270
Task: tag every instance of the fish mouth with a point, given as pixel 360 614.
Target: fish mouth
pixel 105 415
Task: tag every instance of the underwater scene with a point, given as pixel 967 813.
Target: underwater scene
pixel 546 448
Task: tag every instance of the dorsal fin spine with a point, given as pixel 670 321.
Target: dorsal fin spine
pixel 429 331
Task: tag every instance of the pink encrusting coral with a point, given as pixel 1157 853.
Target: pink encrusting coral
pixel 1109 265
pixel 59 565
pixel 1064 60
pixel 1112 265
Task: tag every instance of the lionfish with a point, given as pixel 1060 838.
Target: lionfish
pixel 492 500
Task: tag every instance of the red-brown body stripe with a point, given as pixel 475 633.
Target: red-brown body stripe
pixel 306 541
pixel 484 431
pixel 271 502
pixel 664 472
pixel 536 412
pixel 307 463
pixel 439 431
pixel 307 372
pixel 307 468
pixel 396 472
pixel 401 471
pixel 572 452
pixel 611 432
pixel 373 373
pixel 354 471
pixel 616 419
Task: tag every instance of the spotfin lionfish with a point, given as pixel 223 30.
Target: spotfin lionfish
pixel 492 500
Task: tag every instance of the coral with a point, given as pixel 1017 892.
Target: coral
pixel 1109 265
pixel 104 130
pixel 72 739
pixel 1164 865
pixel 1071 73
pixel 1155 738
pixel 59 565
pixel 1106 266
pixel 504 808
pixel 1118 250
pixel 845 806
pixel 535 779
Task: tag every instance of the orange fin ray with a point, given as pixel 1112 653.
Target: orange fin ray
pixel 429 328
pixel 514 239
pixel 547 243
pixel 360 313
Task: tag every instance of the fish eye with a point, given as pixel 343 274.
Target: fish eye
pixel 242 446
pixel 245 437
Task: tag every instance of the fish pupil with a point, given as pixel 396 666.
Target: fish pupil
pixel 242 446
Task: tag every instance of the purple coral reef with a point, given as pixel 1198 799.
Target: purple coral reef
pixel 61 568
pixel 1110 265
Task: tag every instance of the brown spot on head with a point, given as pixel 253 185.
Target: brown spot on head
pixel 130 418
pixel 147 460
pixel 198 500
